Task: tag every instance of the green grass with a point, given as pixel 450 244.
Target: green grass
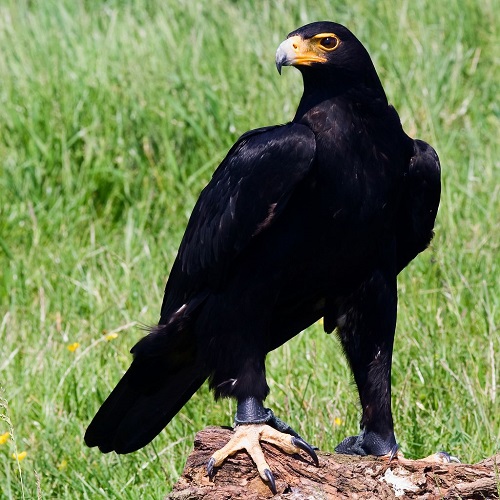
pixel 113 116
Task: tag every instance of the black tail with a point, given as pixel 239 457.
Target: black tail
pixel 147 397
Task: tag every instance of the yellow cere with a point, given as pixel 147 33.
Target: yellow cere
pixel 73 347
pixel 19 456
pixel 4 437
pixel 303 52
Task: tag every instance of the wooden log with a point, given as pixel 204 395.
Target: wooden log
pixel 338 477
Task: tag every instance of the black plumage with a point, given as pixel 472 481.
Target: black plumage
pixel 310 219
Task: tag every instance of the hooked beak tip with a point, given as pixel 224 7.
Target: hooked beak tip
pixel 281 58
pixel 286 53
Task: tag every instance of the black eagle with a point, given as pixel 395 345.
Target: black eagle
pixel 311 219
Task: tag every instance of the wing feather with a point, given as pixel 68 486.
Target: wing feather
pixel 420 203
pixel 247 192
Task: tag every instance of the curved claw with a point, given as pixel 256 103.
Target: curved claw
pixel 210 468
pixel 300 443
pixel 271 481
pixel 394 452
pixel 448 458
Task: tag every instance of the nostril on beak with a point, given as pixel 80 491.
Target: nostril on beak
pixel 295 46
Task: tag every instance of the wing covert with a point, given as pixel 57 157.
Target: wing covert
pixel 247 192
pixel 420 203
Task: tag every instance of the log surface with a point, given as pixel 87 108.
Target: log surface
pixel 338 477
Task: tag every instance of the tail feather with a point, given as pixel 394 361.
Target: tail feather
pixel 142 404
pixel 166 371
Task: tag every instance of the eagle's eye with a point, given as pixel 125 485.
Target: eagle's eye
pixel 329 42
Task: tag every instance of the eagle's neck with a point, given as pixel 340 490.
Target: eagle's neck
pixel 366 96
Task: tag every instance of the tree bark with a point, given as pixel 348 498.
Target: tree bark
pixel 338 476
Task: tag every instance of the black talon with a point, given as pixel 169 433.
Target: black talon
pixel 300 443
pixel 271 481
pixel 445 455
pixel 394 452
pixel 449 458
pixel 210 468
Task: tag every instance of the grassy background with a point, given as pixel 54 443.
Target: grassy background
pixel 113 114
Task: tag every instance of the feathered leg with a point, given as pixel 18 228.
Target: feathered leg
pixel 236 360
pixel 366 330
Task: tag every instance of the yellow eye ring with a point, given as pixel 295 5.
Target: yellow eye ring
pixel 327 41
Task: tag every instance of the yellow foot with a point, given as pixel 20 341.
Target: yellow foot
pixel 248 437
pixel 441 457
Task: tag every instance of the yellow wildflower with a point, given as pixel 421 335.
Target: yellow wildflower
pixel 321 321
pixel 19 456
pixel 63 465
pixel 73 347
pixel 111 336
pixel 337 421
pixel 4 437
